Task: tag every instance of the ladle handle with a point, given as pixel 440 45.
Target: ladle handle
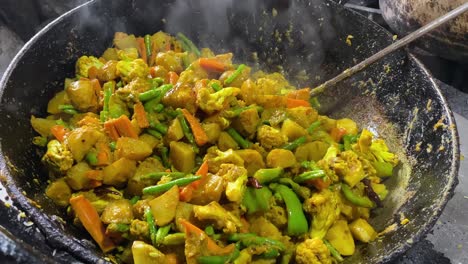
pixel 391 48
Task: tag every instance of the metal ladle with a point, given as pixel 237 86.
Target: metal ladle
pixel 389 49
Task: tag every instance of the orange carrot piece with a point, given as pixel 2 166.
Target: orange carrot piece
pixel 103 154
pixel 140 115
pixel 97 86
pixel 94 184
pixel 337 133
pixel 211 245
pixel 202 171
pixel 59 132
pixel 173 77
pixel 111 130
pixel 319 184
pixel 93 72
pixel 89 120
pixel 212 65
pixel 168 43
pixel 292 103
pixel 142 49
pixel 124 127
pixel 186 193
pixel 89 217
pixel 200 135
pixel 301 94
pixel 94 175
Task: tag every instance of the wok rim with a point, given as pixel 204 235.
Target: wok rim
pixel 72 245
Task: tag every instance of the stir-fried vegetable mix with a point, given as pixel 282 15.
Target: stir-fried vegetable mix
pixel 166 153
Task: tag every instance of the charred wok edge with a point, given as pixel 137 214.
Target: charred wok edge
pixel 60 240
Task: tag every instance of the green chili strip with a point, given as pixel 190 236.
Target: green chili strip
pixel 235 74
pixel 219 259
pixel 166 186
pixel 216 87
pixel 309 175
pixel 268 175
pixel 348 140
pixel 333 251
pixel 186 129
pixel 91 158
pixel 68 109
pixel 189 43
pixel 148 45
pixel 159 127
pixel 355 199
pixel 313 126
pixel 165 156
pixel 296 143
pixel 154 133
pixel 134 199
pixel 162 232
pixel 174 239
pixel 158 175
pixel 151 226
pixel 301 191
pixel 256 200
pixel 244 143
pixel 384 169
pixel 297 222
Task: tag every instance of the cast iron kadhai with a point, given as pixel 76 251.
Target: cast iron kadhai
pixel 395 98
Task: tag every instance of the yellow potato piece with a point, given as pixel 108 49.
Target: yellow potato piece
pixel 362 230
pixel 164 206
pixel 340 237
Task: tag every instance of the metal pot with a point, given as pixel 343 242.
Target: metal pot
pixel 395 98
pixel 449 41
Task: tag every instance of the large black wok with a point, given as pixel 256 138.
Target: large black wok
pixel 396 98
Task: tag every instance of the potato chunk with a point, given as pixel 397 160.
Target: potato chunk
pixel 133 149
pixel 83 95
pixel 119 172
pixel 362 230
pixel 164 206
pixel 182 156
pixel 59 192
pixel 81 140
pixel 118 211
pixel 340 237
pixel 280 158
pixel 76 176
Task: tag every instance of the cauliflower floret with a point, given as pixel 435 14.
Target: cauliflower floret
pixel 381 153
pixel 270 137
pixel 324 208
pixel 57 158
pixel 313 251
pixel 127 54
pixel 84 63
pixel 213 102
pixel 130 92
pixel 129 70
pixel 216 157
pixel 236 179
pixel 349 167
pixel 221 217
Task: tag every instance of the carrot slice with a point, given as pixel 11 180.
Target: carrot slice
pixel 140 115
pixel 173 77
pixel 59 132
pixel 320 184
pixel 213 248
pixel 186 193
pixel 301 94
pixel 142 48
pixel 94 175
pixel 292 103
pixel 200 135
pixel 212 65
pixel 337 133
pixel 103 154
pixel 123 127
pixel 111 130
pixel 89 217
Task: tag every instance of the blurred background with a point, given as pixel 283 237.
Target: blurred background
pixel 21 19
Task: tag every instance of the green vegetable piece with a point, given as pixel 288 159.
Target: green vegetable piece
pixel 113 145
pixel 209 230
pixel 216 87
pixel 297 222
pixel 186 129
pixel 159 127
pixel 165 156
pixel 301 191
pixel 91 158
pixel 310 175
pixel 154 133
pixel 174 239
pixel 148 95
pixel 250 239
pixel 256 200
pixel 151 226
pixel 68 109
pixel 158 175
pixel 134 199
pixel 313 126
pixel 348 140
pixel 189 44
pixel 235 74
pixel 333 251
pixel 244 143
pixel 148 45
pixel 314 102
pixel 268 175
pixel 162 232
pixel 219 259
pixel 355 199
pixel 384 169
pixel 108 88
pixel 156 189
pixel 40 141
pixel 296 143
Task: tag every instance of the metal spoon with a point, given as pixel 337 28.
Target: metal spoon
pixel 389 49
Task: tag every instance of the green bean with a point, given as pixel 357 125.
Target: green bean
pixel 159 127
pixel 297 222
pixel 151 226
pixel 91 158
pixel 189 43
pixel 158 108
pixel 313 126
pixel 68 109
pixel 134 199
pixel 209 230
pixel 148 95
pixel 186 129
pixel 155 82
pixel 216 87
pixel 162 232
pixel 314 102
pixel 244 143
pixel 174 239
pixel 148 46
pixel 309 175
pixel 219 259
pixel 156 189
pixel 165 156
pixel 235 74
pixel 235 112
pixel 355 199
pixel 250 239
pixel 333 251
pixel 158 175
pixel 154 133
pixel 296 143
pixel 268 175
